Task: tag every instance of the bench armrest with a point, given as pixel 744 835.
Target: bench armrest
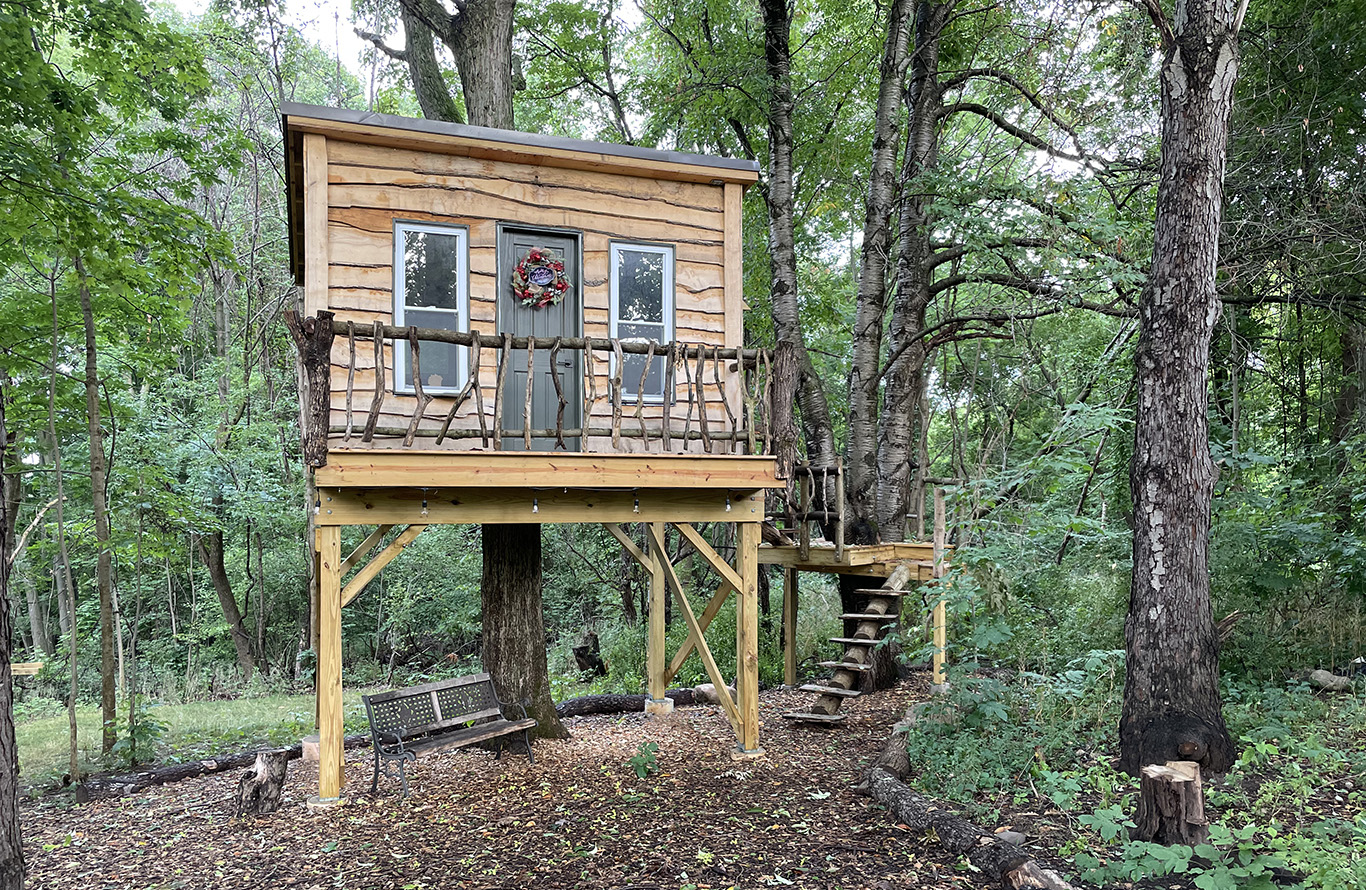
pixel 505 707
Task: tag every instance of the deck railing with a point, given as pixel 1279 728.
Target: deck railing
pixel 716 400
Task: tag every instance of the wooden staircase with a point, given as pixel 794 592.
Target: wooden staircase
pixel 881 608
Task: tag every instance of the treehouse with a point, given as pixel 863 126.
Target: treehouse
pixel 501 327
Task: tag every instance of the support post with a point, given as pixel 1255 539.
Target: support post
pixel 941 617
pixel 330 774
pixel 747 634
pixel 790 625
pixel 654 648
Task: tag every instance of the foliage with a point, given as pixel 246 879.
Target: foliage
pixel 645 761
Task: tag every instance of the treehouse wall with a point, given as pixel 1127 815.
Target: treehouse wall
pixel 366 187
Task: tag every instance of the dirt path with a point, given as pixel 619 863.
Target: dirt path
pixel 578 818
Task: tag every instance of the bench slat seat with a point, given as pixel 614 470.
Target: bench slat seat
pixel 439 716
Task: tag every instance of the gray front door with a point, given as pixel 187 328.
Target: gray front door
pixel 563 319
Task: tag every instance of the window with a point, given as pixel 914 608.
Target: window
pixel 642 292
pixel 430 291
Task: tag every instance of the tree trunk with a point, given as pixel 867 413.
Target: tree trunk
pixel 1172 709
pixel 211 554
pixel 479 36
pixel 513 642
pixel 429 83
pixel 99 498
pixel 780 195
pixel 865 373
pixel 11 844
pixel 896 458
pixel 37 618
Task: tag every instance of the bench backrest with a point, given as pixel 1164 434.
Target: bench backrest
pixel 434 706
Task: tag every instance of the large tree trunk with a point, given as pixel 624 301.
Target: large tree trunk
pixel 780 195
pixel 513 643
pixel 865 373
pixel 1172 709
pixel 11 845
pixel 419 51
pixel 211 554
pixel 99 498
pixel 480 38
pixel 896 440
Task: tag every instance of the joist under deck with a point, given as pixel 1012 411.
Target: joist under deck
pixel 873 560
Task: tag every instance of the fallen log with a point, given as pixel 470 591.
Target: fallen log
pixel 585 705
pixel 115 784
pixel 1000 862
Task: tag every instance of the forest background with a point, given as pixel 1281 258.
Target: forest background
pixel 150 385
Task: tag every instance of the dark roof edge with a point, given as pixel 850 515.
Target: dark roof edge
pixel 512 138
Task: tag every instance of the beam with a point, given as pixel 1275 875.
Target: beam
pixel 656 539
pixel 705 550
pixel 655 679
pixel 824 557
pixel 382 559
pixel 747 633
pixel 790 626
pixel 478 469
pixel 436 506
pixel 330 773
pixel 364 549
pixel 616 531
pixel 941 617
pixel 315 224
pixel 718 599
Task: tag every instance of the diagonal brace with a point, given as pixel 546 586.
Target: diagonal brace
pixel 382 559
pixel 616 531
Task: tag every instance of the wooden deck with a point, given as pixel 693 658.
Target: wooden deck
pixel 874 560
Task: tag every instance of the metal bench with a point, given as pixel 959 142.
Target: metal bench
pixel 406 724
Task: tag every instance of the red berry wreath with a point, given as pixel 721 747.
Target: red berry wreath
pixel 538 281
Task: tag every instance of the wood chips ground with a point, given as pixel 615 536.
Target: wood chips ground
pixel 578 818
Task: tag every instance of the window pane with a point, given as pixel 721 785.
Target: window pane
pixel 633 365
pixel 430 269
pixel 640 285
pixel 440 361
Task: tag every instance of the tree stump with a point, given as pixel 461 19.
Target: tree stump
pixel 1171 804
pixel 259 791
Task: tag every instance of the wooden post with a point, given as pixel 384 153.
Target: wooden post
pixel 790 625
pixel 941 617
pixel 654 647
pixel 330 774
pixel 747 634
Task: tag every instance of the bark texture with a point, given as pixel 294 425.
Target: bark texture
pixel 896 449
pixel 433 95
pixel 1172 709
pixel 780 195
pixel 479 36
pixel 11 844
pixel 513 643
pixel 865 373
pixel 260 788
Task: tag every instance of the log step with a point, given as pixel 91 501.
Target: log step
pixel 853 641
pixel 808 717
pixel 869 616
pixel 831 690
pixel 883 591
pixel 846 666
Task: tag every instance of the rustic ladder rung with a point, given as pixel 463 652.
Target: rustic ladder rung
pixel 831 690
pixel 882 591
pixel 846 665
pixel 889 618
pixel 853 641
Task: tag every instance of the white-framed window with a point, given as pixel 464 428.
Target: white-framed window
pixel 431 290
pixel 642 294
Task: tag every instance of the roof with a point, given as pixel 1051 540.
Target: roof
pixel 484 142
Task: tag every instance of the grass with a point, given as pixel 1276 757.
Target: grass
pixel 192 730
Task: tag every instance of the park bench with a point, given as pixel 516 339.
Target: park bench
pixel 406 724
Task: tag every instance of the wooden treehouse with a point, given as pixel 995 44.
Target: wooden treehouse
pixel 501 327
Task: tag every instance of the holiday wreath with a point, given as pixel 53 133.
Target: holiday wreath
pixel 538 281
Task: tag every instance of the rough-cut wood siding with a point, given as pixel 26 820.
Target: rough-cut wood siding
pixel 369 186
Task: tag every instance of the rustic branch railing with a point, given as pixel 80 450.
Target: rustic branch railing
pixel 715 399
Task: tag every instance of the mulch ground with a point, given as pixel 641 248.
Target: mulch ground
pixel 578 818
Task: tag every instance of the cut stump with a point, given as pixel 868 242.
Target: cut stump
pixel 1171 804
pixel 258 794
